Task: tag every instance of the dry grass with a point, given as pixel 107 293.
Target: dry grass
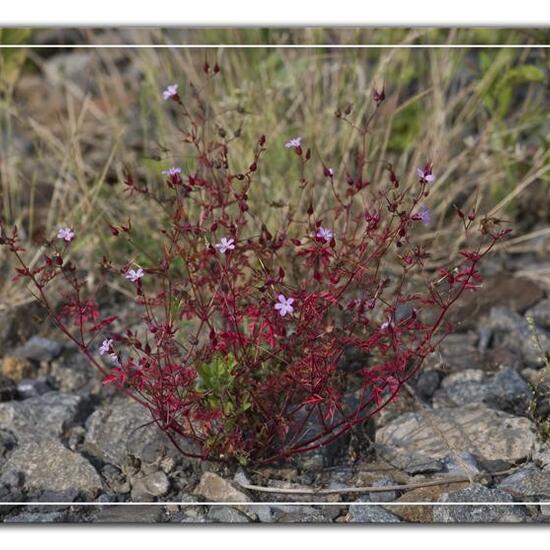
pixel 69 123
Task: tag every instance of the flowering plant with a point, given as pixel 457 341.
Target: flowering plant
pixel 241 351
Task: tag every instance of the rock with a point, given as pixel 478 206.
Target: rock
pixel 505 390
pixel 541 454
pixel 370 513
pixel 46 416
pixel 17 368
pixel 8 389
pixel 20 323
pixel 478 514
pixel 515 293
pixel 38 517
pixel 115 479
pixel 128 514
pixel 28 388
pixel 422 514
pixel 520 335
pixel 491 436
pixel 383 496
pixel 225 514
pixel 8 442
pixel 48 465
pixel 150 486
pixel 39 349
pixel 462 463
pixel 540 313
pixel 112 429
pixel 72 374
pixel 216 489
pixel 527 482
pixel 70 67
pixel 296 514
pixel 426 383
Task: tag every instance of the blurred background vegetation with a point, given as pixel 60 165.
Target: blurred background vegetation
pixel 71 120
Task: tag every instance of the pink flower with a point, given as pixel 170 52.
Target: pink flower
pixel 172 172
pixel 170 92
pixel 284 305
pixel 66 234
pixel 325 234
pixel 225 244
pixel 134 275
pixel 294 143
pixel 105 346
pixel 425 174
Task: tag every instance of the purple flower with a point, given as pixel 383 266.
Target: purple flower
pixel 284 305
pixel 225 244
pixel 134 275
pixel 170 92
pixel 66 234
pixel 294 143
pixel 171 172
pixel 325 234
pixel 425 215
pixel 425 174
pixel 105 346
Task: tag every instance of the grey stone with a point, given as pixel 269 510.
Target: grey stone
pixel 520 336
pixel 129 514
pixel 297 514
pixel 150 486
pixel 46 416
pixel 39 349
pixel 486 513
pixel 111 430
pixel 38 517
pixel 505 390
pixel 262 513
pixel 462 463
pixel 73 373
pixel 427 383
pixel 490 435
pixel 11 478
pixel 541 313
pixel 370 513
pixel 383 496
pixel 48 465
pixel 225 514
pixel 8 441
pixel 8 389
pixel 527 482
pixel 217 489
pixel 115 479
pixel 28 388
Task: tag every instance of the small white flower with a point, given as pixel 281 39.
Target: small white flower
pixel 65 233
pixel 294 143
pixel 134 275
pixel 170 92
pixel 325 234
pixel 284 305
pixel 225 244
pixel 105 346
